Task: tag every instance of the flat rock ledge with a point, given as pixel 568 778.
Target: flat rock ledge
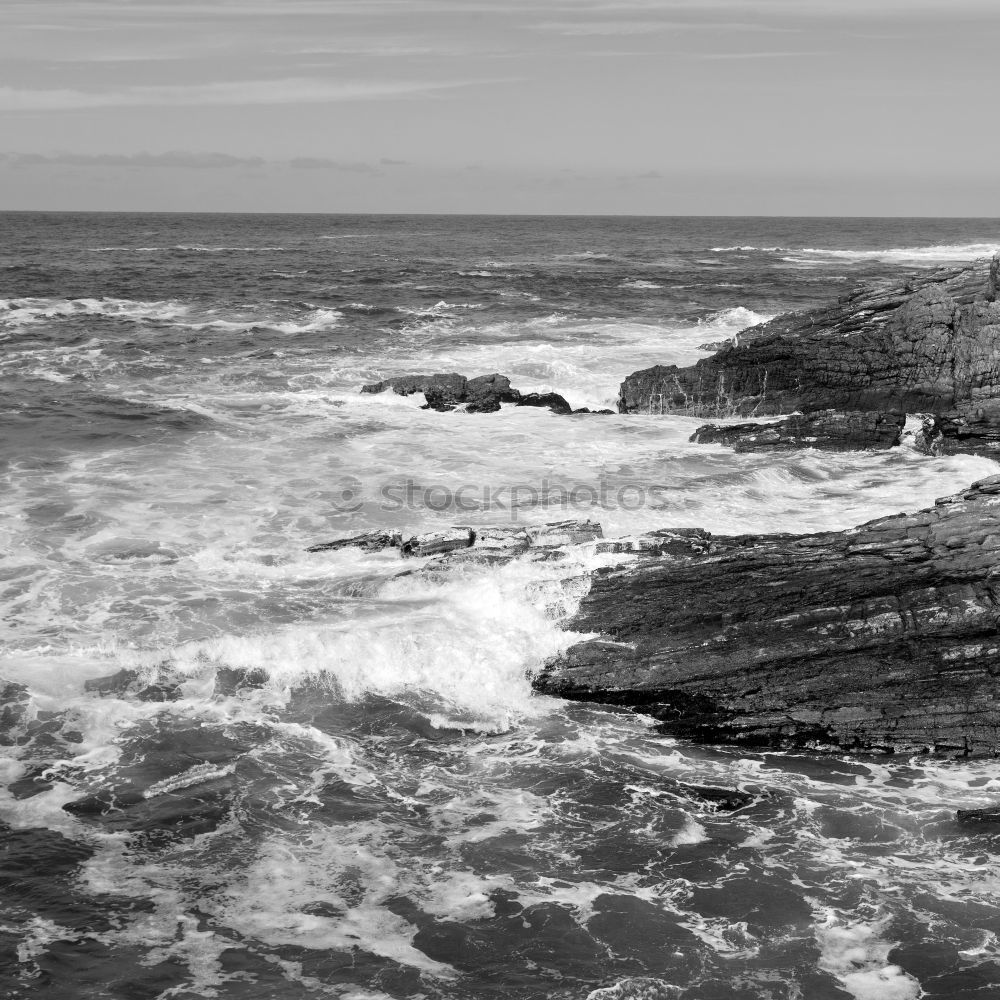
pixel 880 639
pixel 928 345
pixel 824 429
pixel 444 392
pixel 491 543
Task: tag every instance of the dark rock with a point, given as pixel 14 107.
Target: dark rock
pixel 552 400
pixel 446 391
pixel 720 799
pixel 879 638
pixel 486 393
pixel 991 814
pixel 133 684
pixel 370 541
pixel 14 711
pixel 826 429
pixel 925 345
pixel 478 395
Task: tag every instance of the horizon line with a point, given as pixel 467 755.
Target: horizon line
pixel 490 215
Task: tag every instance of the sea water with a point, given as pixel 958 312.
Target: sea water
pixel 326 774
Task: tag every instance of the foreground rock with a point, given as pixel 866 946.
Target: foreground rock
pixel 928 345
pixel 880 638
pixel 476 395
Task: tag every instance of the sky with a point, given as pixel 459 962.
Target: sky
pixel 647 107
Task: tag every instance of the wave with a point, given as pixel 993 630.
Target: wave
pixel 939 253
pixel 640 283
pixel 189 248
pixel 300 318
pixel 735 318
pixel 21 311
pixel 314 321
pixel 459 652
pixel 943 253
pixel 748 249
pixel 439 310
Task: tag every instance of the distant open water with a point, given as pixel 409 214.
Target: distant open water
pixel 353 792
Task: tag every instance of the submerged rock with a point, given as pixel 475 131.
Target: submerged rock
pixel 477 395
pixel 926 345
pixel 879 638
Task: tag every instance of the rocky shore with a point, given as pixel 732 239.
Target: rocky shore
pixel 929 345
pixel 882 638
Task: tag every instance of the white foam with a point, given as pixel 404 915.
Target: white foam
pixel 855 952
pixel 747 249
pixel 692 832
pixel 461 650
pixel 641 988
pixel 938 254
pixel 933 254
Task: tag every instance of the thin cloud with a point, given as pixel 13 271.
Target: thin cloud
pixel 295 90
pixel 175 158
pixel 590 28
pixel 623 27
pixel 192 160
pixel 754 55
pixel 324 163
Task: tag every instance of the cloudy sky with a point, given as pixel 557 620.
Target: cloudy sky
pixel 878 107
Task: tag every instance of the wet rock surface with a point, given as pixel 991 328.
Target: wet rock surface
pixel 826 430
pixel 505 541
pixel 930 344
pixel 483 394
pixel 881 638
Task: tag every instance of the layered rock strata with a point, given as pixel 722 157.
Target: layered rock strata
pixel 826 429
pixel 881 638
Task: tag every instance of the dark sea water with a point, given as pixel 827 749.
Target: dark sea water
pixel 324 777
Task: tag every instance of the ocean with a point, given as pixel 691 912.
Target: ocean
pixel 231 768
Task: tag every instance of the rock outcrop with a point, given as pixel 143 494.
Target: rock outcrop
pixel 882 638
pixel 929 345
pixel 475 395
pixel 506 540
